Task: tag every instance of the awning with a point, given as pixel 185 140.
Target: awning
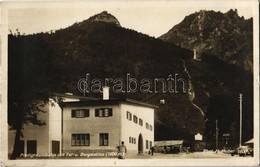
pixel 250 141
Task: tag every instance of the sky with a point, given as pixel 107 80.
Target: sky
pixel 149 17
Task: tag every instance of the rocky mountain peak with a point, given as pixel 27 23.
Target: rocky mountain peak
pixel 226 35
pixel 104 17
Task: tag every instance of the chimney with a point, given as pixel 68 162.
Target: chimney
pixel 105 93
pixel 194 54
pixel 162 101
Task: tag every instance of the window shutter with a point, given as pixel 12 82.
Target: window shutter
pixel 110 112
pixel 86 113
pixel 96 112
pixel 73 113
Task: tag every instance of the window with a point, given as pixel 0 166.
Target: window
pixel 106 112
pixel 140 122
pixel 80 113
pixel 132 140
pixel 147 125
pixel 103 139
pixel 128 116
pixel 135 119
pixel 80 140
pixel 151 144
pixel 103 112
pixel 146 144
pixel 100 113
pixel 151 127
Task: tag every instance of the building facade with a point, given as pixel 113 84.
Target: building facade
pixel 101 125
pixel 45 139
pixel 83 125
pixel 40 139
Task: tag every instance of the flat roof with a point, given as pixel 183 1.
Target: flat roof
pixel 167 143
pixel 107 102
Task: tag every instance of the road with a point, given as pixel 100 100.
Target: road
pixel 195 155
pixel 158 159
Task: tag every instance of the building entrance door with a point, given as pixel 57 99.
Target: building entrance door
pixel 140 144
pixel 31 146
pixel 55 147
pixel 21 147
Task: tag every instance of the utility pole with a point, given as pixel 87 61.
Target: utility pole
pixel 240 131
pixel 216 136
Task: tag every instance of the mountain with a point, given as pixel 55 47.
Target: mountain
pixel 104 17
pixel 223 44
pixel 226 35
pixel 102 48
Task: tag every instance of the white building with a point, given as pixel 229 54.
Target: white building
pixel 43 139
pixel 83 125
pixel 100 125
